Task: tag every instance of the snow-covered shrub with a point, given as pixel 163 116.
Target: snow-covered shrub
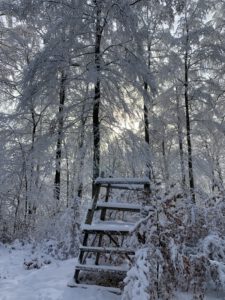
pixel 137 281
pixel 185 245
pixel 36 263
pixel 59 236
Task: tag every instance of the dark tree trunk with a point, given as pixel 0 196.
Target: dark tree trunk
pixel 149 171
pixel 220 175
pixel 146 122
pixel 81 157
pixel 97 96
pixel 31 205
pixel 188 127
pixel 62 96
pixel 147 136
pixel 180 142
pixel 166 171
pixel 67 176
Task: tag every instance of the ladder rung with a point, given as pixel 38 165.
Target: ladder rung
pixel 110 289
pixel 107 250
pixel 123 187
pixel 119 206
pixel 107 228
pixel 102 268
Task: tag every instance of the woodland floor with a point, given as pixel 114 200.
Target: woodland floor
pixel 47 283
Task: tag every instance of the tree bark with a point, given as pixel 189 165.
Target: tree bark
pixel 166 171
pixel 81 157
pixel 180 142
pixel 149 171
pixel 147 136
pixel 188 126
pixel 97 97
pixel 62 96
pixel 31 204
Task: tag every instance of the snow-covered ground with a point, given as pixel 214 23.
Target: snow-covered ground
pixel 47 283
pixel 50 281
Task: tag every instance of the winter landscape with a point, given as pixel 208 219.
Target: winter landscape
pixel 112 157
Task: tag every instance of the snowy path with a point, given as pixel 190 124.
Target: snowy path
pixel 50 282
pixel 47 283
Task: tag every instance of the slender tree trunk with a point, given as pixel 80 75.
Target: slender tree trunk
pixel 180 142
pixel 81 156
pixel 188 127
pixel 149 171
pixel 26 194
pixel 24 174
pixel 219 171
pixel 67 176
pixel 166 171
pixel 31 200
pixel 97 96
pixel 147 136
pixel 62 96
pixel 17 206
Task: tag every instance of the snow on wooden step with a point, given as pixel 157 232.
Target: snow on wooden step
pixel 114 222
pixel 110 289
pixel 107 250
pixel 110 180
pixel 108 228
pixel 102 268
pixel 119 206
pixel 130 187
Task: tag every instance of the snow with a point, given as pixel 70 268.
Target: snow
pixel 103 267
pixel 107 249
pixel 137 280
pixel 48 283
pixel 116 226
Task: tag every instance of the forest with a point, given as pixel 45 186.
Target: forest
pixel 130 89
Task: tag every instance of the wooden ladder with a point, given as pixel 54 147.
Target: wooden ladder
pixel 113 231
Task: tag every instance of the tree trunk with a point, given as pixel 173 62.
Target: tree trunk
pixel 32 204
pixel 220 175
pixel 62 96
pixel 188 127
pixel 147 136
pixel 97 96
pixel 180 142
pixel 166 171
pixel 149 171
pixel 81 156
pixel 67 176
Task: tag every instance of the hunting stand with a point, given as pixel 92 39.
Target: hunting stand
pixel 102 228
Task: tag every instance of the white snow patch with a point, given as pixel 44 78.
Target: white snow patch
pixel 47 283
pixel 50 282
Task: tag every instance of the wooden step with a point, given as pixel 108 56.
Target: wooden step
pixel 114 250
pixel 110 289
pixel 102 268
pixel 129 181
pixel 108 228
pixel 135 188
pixel 119 206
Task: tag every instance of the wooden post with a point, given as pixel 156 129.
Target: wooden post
pixel 88 220
pixel 102 218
